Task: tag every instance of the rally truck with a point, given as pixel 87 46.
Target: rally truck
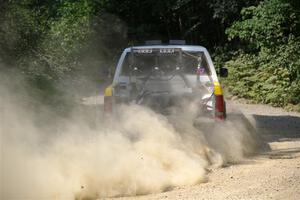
pixel 161 75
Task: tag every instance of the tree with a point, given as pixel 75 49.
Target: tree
pixel 268 66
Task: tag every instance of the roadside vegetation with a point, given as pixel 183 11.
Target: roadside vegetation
pixel 266 66
pixel 74 44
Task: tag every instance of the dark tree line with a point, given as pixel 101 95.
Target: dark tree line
pixel 196 21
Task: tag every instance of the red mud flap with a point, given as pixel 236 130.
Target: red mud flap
pixel 220 105
pixel 108 101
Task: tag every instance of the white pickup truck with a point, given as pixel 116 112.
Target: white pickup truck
pixel 159 76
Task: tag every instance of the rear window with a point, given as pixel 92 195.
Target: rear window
pixel 145 62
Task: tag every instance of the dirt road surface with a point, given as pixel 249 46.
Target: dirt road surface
pixel 272 174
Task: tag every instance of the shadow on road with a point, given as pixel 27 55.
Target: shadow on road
pixel 282 133
pixel 278 128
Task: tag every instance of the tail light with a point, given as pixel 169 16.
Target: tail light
pixel 108 100
pixel 220 106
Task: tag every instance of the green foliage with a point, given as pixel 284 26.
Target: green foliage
pixel 267 25
pixel 268 70
pixel 46 41
pixel 259 82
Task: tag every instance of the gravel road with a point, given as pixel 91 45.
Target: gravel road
pixel 272 174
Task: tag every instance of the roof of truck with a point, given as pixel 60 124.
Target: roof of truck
pixel 183 47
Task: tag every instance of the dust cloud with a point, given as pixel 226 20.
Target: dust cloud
pixel 141 152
